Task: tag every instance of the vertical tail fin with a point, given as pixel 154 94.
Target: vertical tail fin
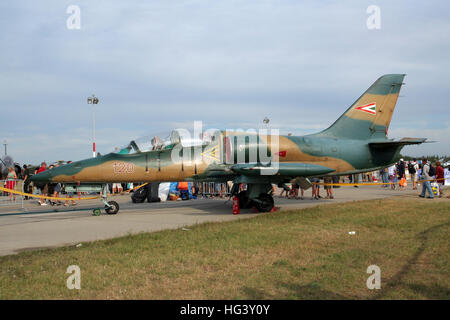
pixel 369 116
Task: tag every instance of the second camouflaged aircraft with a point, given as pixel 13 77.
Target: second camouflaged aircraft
pixel 356 142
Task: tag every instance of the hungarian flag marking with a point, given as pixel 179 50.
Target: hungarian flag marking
pixel 369 108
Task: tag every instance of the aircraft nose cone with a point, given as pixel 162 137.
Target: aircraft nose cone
pixel 42 176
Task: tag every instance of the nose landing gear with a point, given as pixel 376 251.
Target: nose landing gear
pixel 111 207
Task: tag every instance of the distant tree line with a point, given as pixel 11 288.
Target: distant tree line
pixel 432 158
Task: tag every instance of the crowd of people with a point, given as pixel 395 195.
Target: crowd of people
pixel 394 177
pixel 53 190
pixel 419 171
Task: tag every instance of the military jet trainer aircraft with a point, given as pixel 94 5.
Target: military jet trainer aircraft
pixel 356 142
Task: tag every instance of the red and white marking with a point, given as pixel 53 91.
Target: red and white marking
pixel 369 108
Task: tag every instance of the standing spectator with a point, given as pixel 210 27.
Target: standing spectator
pixel 194 191
pixel 426 186
pixel 413 169
pixel 43 186
pixel 385 176
pixel 11 182
pixel 26 180
pixel 315 188
pixel 356 179
pixel 117 188
pixel 335 180
pixel 51 187
pixel 295 189
pixel 440 177
pixel 401 169
pixel 183 187
pixel 328 187
pixel 18 171
pixel 69 195
pixel 57 191
pixel 393 176
pixel 302 193
pixel 285 190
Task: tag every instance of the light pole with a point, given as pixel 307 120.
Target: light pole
pixel 266 122
pixel 93 100
pixel 5 144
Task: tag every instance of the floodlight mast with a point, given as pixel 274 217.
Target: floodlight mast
pixel 266 122
pixel 93 100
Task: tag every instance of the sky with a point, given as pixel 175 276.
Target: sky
pixel 161 65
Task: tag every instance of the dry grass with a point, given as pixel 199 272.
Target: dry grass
pixel 302 254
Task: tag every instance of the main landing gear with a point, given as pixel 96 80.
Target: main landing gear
pixel 257 195
pixel 264 203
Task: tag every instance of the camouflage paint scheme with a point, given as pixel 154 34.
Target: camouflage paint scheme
pixel 356 142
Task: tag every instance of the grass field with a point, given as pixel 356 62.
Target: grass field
pixel 302 254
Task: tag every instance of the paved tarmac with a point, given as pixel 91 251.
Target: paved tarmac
pixel 43 226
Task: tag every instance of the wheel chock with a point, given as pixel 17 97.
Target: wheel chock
pixel 255 210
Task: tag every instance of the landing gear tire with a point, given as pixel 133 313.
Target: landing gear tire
pixel 113 207
pixel 243 200
pixel 264 202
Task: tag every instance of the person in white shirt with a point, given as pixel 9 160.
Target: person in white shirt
pixel 413 169
pixel 393 175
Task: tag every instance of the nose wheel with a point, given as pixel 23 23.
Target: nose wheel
pixel 112 207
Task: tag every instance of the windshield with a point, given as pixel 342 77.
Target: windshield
pixel 165 140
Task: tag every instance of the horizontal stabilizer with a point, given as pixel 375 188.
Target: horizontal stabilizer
pixel 397 143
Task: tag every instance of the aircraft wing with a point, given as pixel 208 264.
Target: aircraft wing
pixel 290 169
pixel 257 172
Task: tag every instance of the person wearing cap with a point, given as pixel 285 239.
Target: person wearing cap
pixel 44 186
pixel 401 169
pixel 401 172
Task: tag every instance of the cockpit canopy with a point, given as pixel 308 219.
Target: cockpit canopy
pixel 165 141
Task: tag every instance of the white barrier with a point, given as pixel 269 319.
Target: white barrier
pixel 211 189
